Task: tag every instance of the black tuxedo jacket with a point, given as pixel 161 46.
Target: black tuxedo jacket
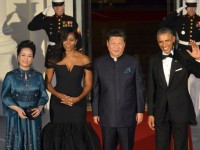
pixel 118 91
pixel 173 99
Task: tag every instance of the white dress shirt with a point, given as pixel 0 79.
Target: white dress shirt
pixel 167 62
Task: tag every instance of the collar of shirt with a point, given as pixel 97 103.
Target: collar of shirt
pixel 116 58
pixel 167 66
pixel 190 17
pixel 172 52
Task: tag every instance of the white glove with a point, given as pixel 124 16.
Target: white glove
pixel 46 10
pixel 50 12
pixel 180 9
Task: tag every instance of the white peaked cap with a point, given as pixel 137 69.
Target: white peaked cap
pixel 58 1
pixel 191 1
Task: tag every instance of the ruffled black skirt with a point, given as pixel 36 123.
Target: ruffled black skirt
pixel 69 136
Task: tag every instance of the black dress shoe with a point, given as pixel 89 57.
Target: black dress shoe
pixel 193 122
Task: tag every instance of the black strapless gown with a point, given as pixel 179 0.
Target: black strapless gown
pixel 68 129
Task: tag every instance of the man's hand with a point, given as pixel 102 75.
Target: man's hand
pixel 139 117
pixel 195 53
pixel 49 11
pixel 96 119
pixel 180 9
pixel 151 122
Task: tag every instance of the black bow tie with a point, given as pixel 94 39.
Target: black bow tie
pixel 165 56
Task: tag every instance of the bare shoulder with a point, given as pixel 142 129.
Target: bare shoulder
pixel 83 58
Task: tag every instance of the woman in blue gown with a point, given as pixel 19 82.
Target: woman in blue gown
pixel 23 97
pixel 68 129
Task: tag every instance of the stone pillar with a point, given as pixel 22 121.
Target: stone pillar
pixel 7 47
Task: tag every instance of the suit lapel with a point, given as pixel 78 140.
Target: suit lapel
pixel 161 71
pixel 173 68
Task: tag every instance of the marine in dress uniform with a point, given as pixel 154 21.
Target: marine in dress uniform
pixel 187 28
pixel 52 23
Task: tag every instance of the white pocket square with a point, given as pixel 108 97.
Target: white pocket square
pixel 178 69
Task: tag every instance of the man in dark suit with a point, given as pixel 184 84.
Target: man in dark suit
pixel 170 107
pixel 118 94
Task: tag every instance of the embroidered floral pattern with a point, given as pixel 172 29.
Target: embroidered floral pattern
pixel 12 140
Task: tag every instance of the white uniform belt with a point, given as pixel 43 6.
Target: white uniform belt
pixel 51 43
pixel 186 43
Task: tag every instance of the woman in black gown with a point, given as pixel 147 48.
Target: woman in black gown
pixel 68 129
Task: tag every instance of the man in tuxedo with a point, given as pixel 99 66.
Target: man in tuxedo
pixel 187 28
pixel 170 107
pixel 118 97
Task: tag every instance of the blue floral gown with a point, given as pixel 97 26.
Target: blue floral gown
pixel 23 134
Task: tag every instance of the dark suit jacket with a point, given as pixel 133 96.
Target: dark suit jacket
pixel 174 98
pixel 118 91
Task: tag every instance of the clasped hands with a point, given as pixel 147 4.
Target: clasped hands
pixel 35 112
pixel 68 100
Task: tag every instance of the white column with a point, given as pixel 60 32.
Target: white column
pixel 7 47
pixel 69 7
pixel 198 7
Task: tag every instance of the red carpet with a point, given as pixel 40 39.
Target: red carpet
pixel 144 138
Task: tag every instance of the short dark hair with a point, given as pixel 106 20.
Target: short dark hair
pixel 165 30
pixel 26 44
pixel 117 33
